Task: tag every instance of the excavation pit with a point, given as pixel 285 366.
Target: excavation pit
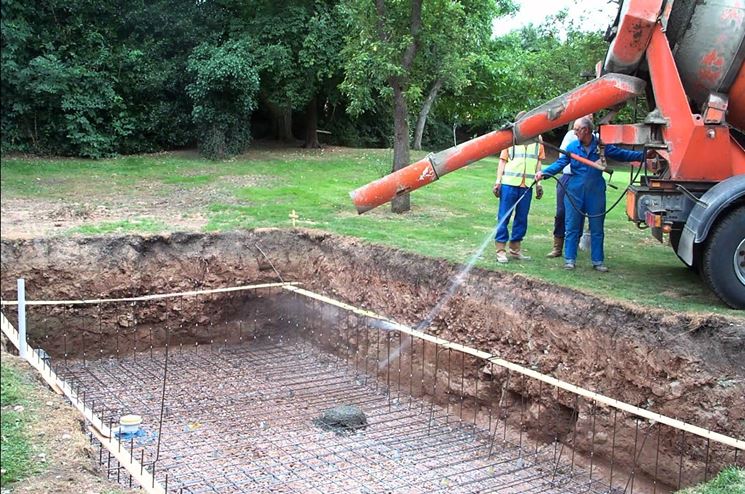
pixel 250 371
pixel 242 418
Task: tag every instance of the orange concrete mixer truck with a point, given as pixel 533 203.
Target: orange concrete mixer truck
pixel 686 57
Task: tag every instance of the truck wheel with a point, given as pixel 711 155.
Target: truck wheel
pixel 723 261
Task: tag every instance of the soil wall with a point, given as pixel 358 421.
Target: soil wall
pixel 691 367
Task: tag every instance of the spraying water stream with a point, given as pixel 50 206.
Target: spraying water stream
pixel 455 283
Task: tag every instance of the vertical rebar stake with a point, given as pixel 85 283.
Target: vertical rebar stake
pixel 134 331
pixel 64 344
pixel 613 447
pixel 347 350
pixel 434 391
pixel 377 359
pixel 82 335
pixel 162 397
pixel 462 382
pixel 505 385
pixel 682 451
pixel 540 393
pixel 574 434
pixel 411 372
pixel 100 331
pixel 447 391
pixel 593 411
pixel 656 458
pixel 65 323
pixel 476 401
pixel 388 368
pixel 131 457
pixel 633 466
pixel 421 387
pixel 356 345
pixel 522 416
pixel 21 318
pixel 367 352
pixel 398 358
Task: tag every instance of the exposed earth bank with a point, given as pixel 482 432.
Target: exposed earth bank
pixel 690 367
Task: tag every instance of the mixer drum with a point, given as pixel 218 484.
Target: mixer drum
pixel 707 42
pixel 706 39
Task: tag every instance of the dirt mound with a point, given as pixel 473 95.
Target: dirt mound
pixel 342 419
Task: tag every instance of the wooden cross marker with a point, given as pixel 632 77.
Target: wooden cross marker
pixel 293 216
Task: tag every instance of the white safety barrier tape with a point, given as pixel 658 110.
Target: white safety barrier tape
pixel 100 430
pixel 640 412
pixel 156 296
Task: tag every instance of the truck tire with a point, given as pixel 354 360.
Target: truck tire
pixel 723 260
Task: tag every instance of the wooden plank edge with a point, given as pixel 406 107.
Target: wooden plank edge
pixel 100 430
pixel 156 296
pixel 134 467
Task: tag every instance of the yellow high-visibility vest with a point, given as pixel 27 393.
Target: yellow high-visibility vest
pixel 516 169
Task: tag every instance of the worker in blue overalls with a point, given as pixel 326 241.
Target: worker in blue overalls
pixel 585 192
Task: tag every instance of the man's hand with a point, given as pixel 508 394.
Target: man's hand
pixel 539 191
pixel 538 176
pixel 495 190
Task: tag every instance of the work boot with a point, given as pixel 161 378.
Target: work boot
pixel 558 247
pixel 515 252
pixel 501 253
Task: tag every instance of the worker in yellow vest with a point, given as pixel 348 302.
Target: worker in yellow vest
pixel 516 172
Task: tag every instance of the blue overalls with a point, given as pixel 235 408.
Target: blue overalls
pixel 586 192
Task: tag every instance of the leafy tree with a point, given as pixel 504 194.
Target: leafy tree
pixel 91 79
pixel 155 38
pixel 524 69
pixel 226 82
pixel 57 80
pixel 451 49
pixel 395 48
pixel 321 64
pixel 297 46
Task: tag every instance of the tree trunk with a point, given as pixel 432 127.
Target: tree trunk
pixel 311 125
pixel 281 122
pixel 401 159
pixel 421 121
pixel 401 204
pixel 284 125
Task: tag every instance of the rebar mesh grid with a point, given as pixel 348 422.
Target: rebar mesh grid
pixel 229 405
pixel 240 418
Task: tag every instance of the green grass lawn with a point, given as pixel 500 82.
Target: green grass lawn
pixel 449 219
pixel 730 480
pixel 17 414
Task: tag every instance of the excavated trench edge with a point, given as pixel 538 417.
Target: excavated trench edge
pixel 333 265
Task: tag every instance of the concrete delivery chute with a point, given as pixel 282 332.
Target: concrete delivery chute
pixel 686 57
